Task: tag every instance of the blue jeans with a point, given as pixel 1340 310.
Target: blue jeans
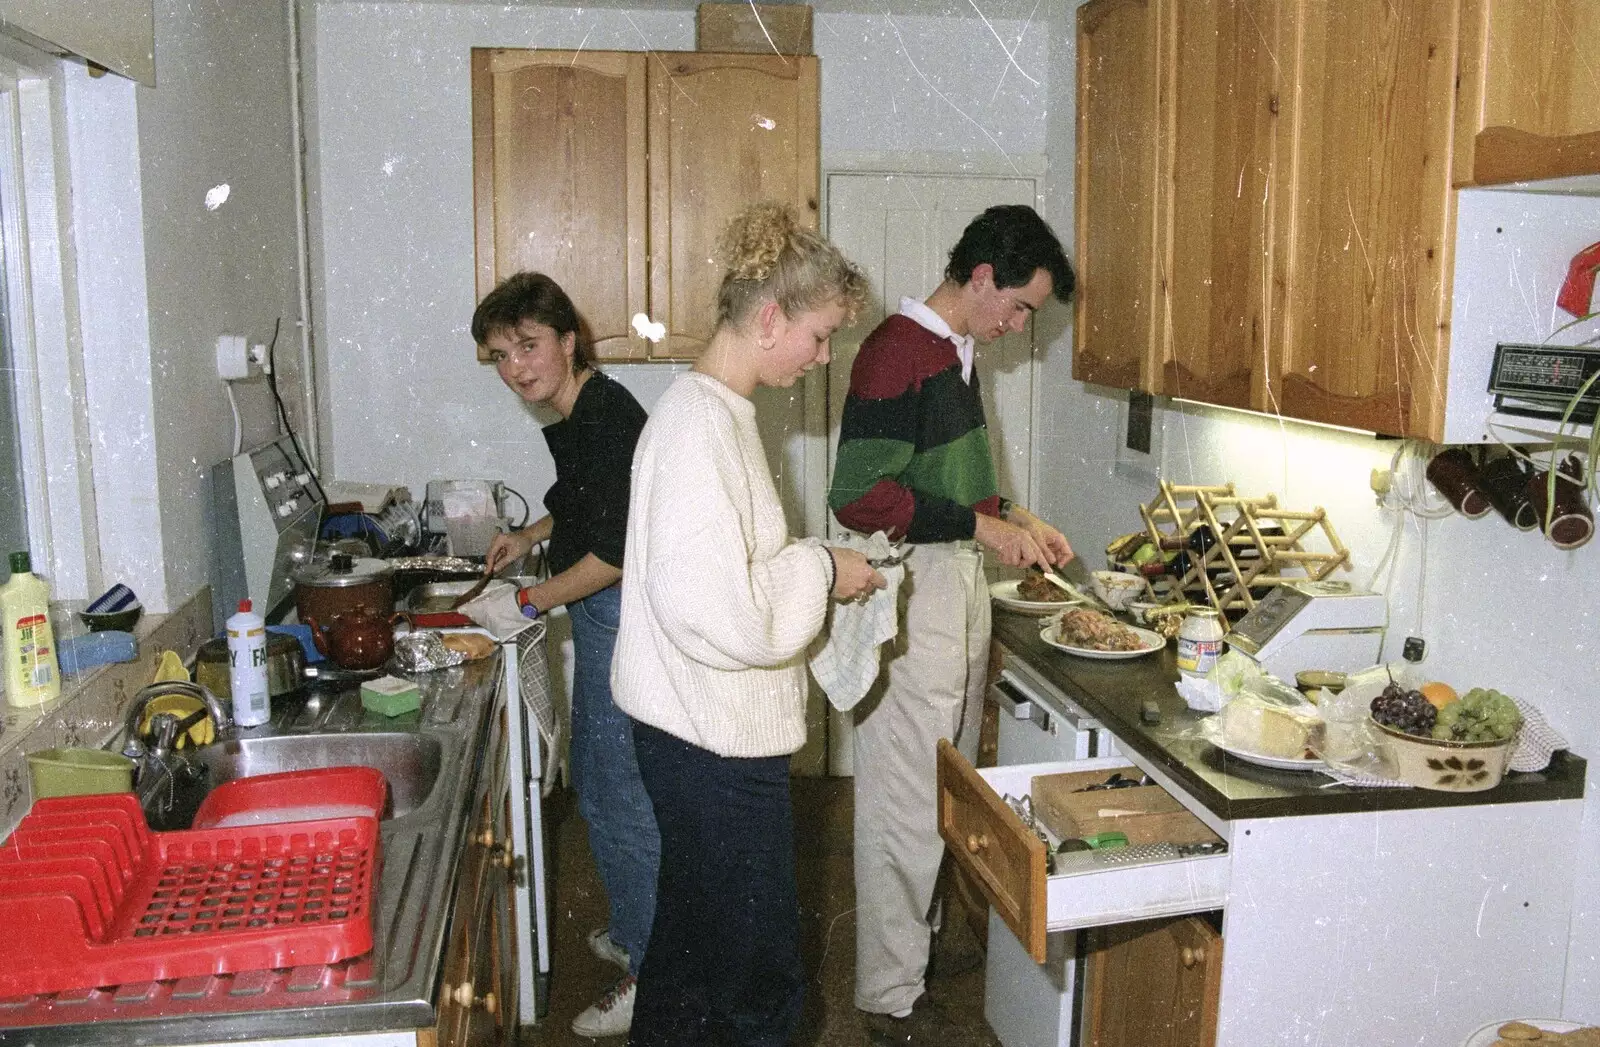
pixel 605 773
pixel 724 963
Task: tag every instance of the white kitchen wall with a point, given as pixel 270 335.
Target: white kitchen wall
pixel 1499 608
pixel 404 396
pixel 160 275
pixel 219 120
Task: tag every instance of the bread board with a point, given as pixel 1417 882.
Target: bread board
pixel 1144 813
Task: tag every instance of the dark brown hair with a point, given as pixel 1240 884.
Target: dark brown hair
pixel 536 297
pixel 1017 243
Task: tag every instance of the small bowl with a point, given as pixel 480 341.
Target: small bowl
pixel 1139 611
pixel 79 772
pixel 1117 590
pixel 119 621
pixel 1452 767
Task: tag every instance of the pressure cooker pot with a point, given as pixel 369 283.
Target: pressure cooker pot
pixel 341 583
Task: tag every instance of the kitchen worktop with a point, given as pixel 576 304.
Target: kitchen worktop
pixel 1112 692
pixel 391 988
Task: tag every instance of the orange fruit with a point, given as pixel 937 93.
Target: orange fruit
pixel 1438 693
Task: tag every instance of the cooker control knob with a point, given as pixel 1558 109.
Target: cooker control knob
pixel 274 480
pixel 302 478
pixel 286 508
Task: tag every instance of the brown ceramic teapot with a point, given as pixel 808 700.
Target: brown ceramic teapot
pixel 354 639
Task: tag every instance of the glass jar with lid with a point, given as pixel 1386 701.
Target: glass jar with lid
pixel 1199 641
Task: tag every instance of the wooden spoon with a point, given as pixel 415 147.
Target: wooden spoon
pixel 473 593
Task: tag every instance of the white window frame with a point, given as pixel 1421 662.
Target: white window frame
pixel 47 379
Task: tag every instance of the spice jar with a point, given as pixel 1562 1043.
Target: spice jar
pixel 1199 641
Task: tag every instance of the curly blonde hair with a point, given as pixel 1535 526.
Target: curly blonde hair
pixel 768 254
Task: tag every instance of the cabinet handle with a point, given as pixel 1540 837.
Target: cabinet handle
pixel 506 857
pixel 462 994
pixel 486 837
pixel 1193 956
pixel 977 842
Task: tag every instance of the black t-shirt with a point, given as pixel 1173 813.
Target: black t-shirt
pixel 593 452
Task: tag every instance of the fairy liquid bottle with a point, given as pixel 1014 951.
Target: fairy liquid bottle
pixel 32 674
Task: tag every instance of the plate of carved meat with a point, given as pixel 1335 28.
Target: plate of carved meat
pixel 1095 634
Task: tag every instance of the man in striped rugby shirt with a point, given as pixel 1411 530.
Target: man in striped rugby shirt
pixel 914 461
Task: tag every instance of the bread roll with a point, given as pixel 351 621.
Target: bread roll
pixel 473 645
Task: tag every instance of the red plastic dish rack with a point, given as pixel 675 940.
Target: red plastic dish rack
pixel 90 897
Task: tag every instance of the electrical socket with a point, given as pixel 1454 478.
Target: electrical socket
pixel 234 361
pixel 258 358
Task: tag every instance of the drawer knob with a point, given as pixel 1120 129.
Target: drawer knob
pixel 1193 956
pixel 506 858
pixel 486 837
pixel 463 995
pixel 977 842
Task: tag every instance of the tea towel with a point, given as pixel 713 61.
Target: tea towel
pixel 844 659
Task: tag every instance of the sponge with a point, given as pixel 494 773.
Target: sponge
pixel 390 696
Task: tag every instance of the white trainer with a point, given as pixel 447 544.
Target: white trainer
pixel 601 945
pixel 612 1014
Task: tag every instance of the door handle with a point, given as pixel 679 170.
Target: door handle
pixel 1019 705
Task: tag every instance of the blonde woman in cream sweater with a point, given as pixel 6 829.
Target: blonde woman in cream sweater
pixel 717 611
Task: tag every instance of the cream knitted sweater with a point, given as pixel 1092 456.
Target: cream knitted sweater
pixel 718 604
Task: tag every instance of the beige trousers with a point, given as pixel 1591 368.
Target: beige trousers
pixel 931 687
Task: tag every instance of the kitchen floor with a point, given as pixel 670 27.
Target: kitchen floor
pixel 823 811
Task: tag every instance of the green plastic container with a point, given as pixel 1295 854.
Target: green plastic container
pixel 79 772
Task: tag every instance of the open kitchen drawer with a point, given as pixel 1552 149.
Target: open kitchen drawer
pixel 1090 888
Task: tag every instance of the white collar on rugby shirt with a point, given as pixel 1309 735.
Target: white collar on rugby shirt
pixel 919 311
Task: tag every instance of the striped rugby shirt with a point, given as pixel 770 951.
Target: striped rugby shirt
pixel 914 457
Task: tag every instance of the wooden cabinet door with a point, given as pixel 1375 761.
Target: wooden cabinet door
pixel 1123 68
pixel 1527 106
pixel 1366 215
pixel 724 131
pixel 559 180
pixel 1153 984
pixel 1216 200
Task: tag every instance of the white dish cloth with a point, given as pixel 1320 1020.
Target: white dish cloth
pixel 844 659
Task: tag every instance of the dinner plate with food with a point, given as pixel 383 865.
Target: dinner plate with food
pixel 1095 634
pixel 1035 594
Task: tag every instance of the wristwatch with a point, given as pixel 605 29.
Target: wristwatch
pixel 525 603
pixel 1006 505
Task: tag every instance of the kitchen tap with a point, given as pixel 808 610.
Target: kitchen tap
pixel 157 760
pixel 134 746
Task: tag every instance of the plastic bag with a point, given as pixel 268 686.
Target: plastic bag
pixel 1263 724
pixel 1225 680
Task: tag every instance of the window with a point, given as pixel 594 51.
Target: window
pixel 13 506
pixel 42 471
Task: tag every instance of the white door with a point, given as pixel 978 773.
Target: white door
pixel 900 229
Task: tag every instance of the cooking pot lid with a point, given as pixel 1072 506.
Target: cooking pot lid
pixel 342 570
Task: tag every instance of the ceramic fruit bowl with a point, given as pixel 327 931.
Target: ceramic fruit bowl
pixel 1454 767
pixel 1117 590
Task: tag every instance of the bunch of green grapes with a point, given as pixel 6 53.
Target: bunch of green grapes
pixel 1480 715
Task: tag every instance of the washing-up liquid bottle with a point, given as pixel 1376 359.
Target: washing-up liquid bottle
pixel 33 675
pixel 247 667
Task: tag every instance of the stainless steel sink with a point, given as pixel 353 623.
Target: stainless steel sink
pixel 410 762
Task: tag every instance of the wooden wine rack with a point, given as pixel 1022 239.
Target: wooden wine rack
pixel 1253 540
